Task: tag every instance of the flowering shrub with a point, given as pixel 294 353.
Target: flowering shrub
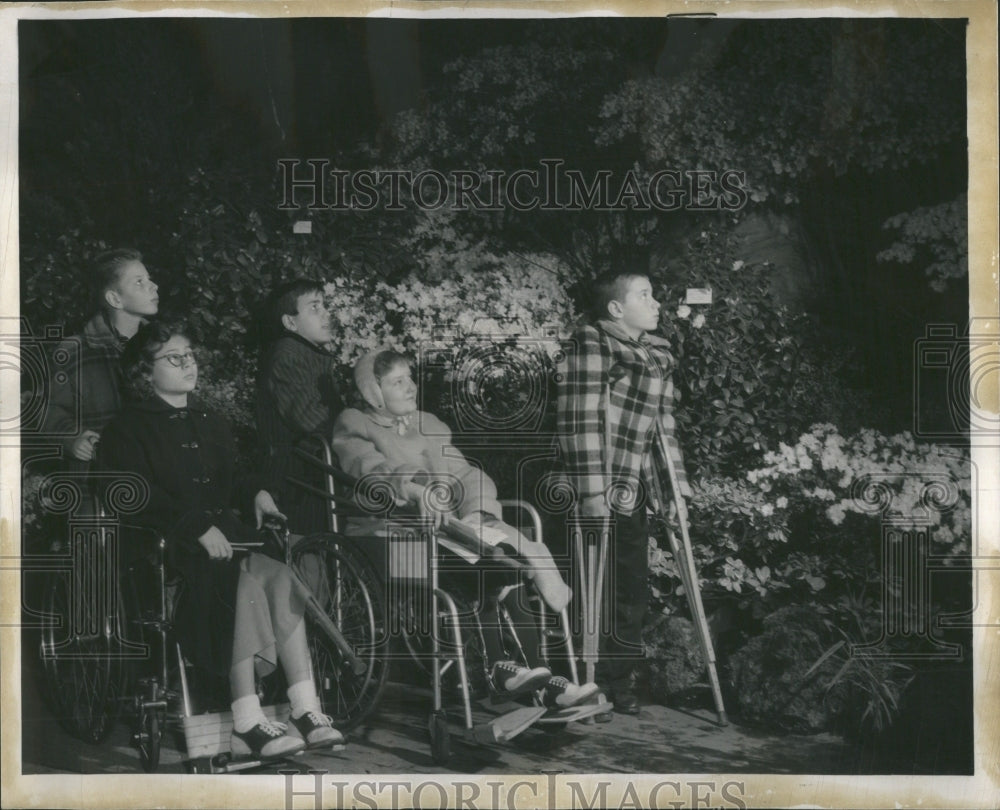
pixel 806 520
pixel 892 477
pixel 484 339
pixel 517 298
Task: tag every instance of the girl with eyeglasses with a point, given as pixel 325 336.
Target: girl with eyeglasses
pixel 237 615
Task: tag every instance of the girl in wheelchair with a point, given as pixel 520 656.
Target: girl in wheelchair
pixel 389 439
pixel 238 614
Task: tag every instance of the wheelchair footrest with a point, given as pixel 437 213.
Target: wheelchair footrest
pixel 575 713
pixel 207 735
pixel 507 726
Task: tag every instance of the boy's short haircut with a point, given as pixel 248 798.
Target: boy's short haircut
pixel 611 285
pixel 107 271
pixel 284 300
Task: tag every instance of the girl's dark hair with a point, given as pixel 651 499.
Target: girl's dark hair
pixel 137 359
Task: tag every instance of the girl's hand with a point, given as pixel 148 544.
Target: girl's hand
pixel 216 544
pixel 415 494
pixel 263 504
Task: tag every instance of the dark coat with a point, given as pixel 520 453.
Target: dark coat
pixel 296 396
pixel 186 455
pixel 85 391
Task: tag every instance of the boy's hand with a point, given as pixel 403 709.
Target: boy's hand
pixel 216 544
pixel 263 504
pixel 594 506
pixel 83 445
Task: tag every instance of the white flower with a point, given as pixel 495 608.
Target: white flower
pixel 683 311
pixel 782 502
pixel 699 321
pixel 738 265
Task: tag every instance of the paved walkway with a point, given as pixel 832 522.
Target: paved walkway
pixel 659 740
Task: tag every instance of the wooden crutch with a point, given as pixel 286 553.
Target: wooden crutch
pixel 684 556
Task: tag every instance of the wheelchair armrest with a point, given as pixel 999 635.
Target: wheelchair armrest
pixel 464 534
pixel 322 458
pixel 325 467
pixel 532 512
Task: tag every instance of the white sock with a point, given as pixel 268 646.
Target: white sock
pixel 303 698
pixel 247 713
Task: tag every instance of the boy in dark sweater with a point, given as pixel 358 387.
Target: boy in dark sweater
pixel 296 393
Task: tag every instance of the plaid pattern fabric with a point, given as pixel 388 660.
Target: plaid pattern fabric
pixel 89 394
pixel 613 391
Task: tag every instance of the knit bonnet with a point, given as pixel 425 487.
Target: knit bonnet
pixel 364 378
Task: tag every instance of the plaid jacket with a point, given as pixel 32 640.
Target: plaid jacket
pixel 612 392
pixel 87 394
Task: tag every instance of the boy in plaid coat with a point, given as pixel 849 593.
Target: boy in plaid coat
pixel 614 393
pixel 85 398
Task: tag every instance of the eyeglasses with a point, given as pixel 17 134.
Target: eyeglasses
pixel 178 360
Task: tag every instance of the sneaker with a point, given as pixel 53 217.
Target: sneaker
pixel 266 740
pixel 316 729
pixel 561 693
pixel 510 679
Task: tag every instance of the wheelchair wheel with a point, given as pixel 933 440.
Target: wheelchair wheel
pixel 350 592
pixel 412 623
pixel 83 675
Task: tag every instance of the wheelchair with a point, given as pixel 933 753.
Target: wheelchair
pixel 439 629
pixel 107 647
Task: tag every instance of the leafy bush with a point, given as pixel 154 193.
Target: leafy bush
pixel 803 674
pixel 934 236
pixel 750 373
pixel 768 674
pixel 674 662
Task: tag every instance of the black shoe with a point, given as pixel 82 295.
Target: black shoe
pixel 316 729
pixel 624 697
pixel 604 717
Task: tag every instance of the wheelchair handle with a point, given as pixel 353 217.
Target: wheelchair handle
pixel 245 546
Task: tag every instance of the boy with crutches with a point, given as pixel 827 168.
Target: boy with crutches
pixel 614 398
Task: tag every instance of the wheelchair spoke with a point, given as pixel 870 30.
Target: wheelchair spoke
pixel 350 594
